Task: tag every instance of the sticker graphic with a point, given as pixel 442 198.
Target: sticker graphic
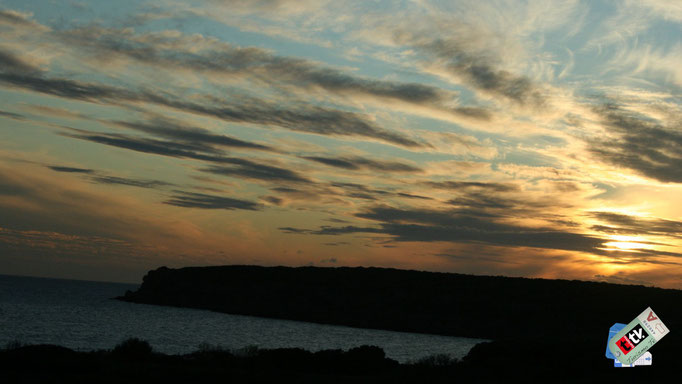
pixel 645 359
pixel 615 328
pixel 631 342
pixel 637 335
pixel 625 345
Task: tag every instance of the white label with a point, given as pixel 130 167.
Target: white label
pixel 653 324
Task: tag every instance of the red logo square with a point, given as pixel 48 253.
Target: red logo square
pixel 625 345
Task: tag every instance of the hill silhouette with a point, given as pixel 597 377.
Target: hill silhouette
pixel 412 301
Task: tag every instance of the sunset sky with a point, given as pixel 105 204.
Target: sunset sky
pixel 517 138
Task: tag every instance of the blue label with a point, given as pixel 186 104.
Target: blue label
pixel 615 328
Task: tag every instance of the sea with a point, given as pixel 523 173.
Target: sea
pixel 82 315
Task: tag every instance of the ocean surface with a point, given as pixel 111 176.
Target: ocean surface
pixel 82 315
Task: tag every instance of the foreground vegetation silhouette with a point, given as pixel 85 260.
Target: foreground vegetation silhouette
pixel 134 361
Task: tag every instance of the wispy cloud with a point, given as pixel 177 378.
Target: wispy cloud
pixel 641 144
pixel 189 134
pixel 70 169
pixel 252 170
pixel 10 63
pixel 311 119
pixel 357 163
pixel 177 51
pixel 506 137
pixel 625 224
pixel 200 200
pixel 426 225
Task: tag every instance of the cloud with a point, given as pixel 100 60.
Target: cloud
pixel 492 203
pixel 237 167
pixel 272 200
pixel 481 202
pixel 359 163
pixel 427 225
pixel 456 57
pixel 411 196
pixel 200 200
pixel 303 118
pixel 475 185
pixel 251 170
pixel 293 230
pixel 286 8
pixel 15 18
pixel 668 10
pixel 101 178
pixel 196 53
pixel 360 191
pixel 58 168
pixel 336 193
pixel 67 88
pixel 45 110
pixel 157 147
pixel 11 63
pixel 129 182
pixel 189 134
pixel 653 61
pixel 33 199
pixel 621 278
pixel 12 115
pixel 625 224
pixel 641 144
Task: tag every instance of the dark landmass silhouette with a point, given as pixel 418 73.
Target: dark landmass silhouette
pixel 413 301
pixel 134 361
pixel 549 330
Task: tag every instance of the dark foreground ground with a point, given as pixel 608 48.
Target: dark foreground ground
pixel 133 361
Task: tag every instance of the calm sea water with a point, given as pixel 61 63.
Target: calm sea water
pixel 81 315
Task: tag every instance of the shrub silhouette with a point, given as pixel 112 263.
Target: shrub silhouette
pixel 133 348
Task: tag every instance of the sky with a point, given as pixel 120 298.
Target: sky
pixel 520 138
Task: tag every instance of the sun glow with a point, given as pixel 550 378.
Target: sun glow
pixel 627 243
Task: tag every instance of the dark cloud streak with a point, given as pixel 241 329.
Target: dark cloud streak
pixel 11 63
pixel 150 184
pixel 238 167
pixel 58 168
pixel 424 225
pixel 251 170
pixel 469 185
pixel 358 163
pixel 12 115
pixel 262 65
pixel 305 118
pixel 101 178
pixel 476 70
pixel 643 145
pixel 189 134
pixel 200 200
pixel 624 224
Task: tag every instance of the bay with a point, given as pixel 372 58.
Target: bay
pixel 83 316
